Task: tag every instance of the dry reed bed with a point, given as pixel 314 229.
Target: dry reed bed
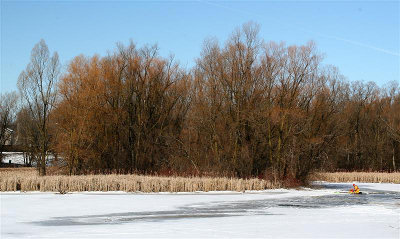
pixel 29 181
pixel 364 177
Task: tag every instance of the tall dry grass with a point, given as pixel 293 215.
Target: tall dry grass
pixel 28 180
pixel 364 177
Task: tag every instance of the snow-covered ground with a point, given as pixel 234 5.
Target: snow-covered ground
pixel 18 158
pixel 306 213
pixel 15 157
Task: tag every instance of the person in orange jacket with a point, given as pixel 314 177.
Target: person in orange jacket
pixel 355 190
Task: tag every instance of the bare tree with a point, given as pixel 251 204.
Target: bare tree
pixel 391 117
pixel 8 105
pixel 27 133
pixel 37 85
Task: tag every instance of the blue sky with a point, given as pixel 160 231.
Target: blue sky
pixel 361 38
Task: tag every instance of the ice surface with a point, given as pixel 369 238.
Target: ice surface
pixel 310 213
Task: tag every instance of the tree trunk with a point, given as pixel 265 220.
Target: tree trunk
pixel 393 161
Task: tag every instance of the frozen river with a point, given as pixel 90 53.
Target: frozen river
pixel 321 212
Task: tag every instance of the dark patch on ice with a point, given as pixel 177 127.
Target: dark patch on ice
pixel 154 216
pixel 199 210
pixel 16 234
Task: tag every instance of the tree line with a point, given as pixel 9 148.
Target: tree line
pixel 247 108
